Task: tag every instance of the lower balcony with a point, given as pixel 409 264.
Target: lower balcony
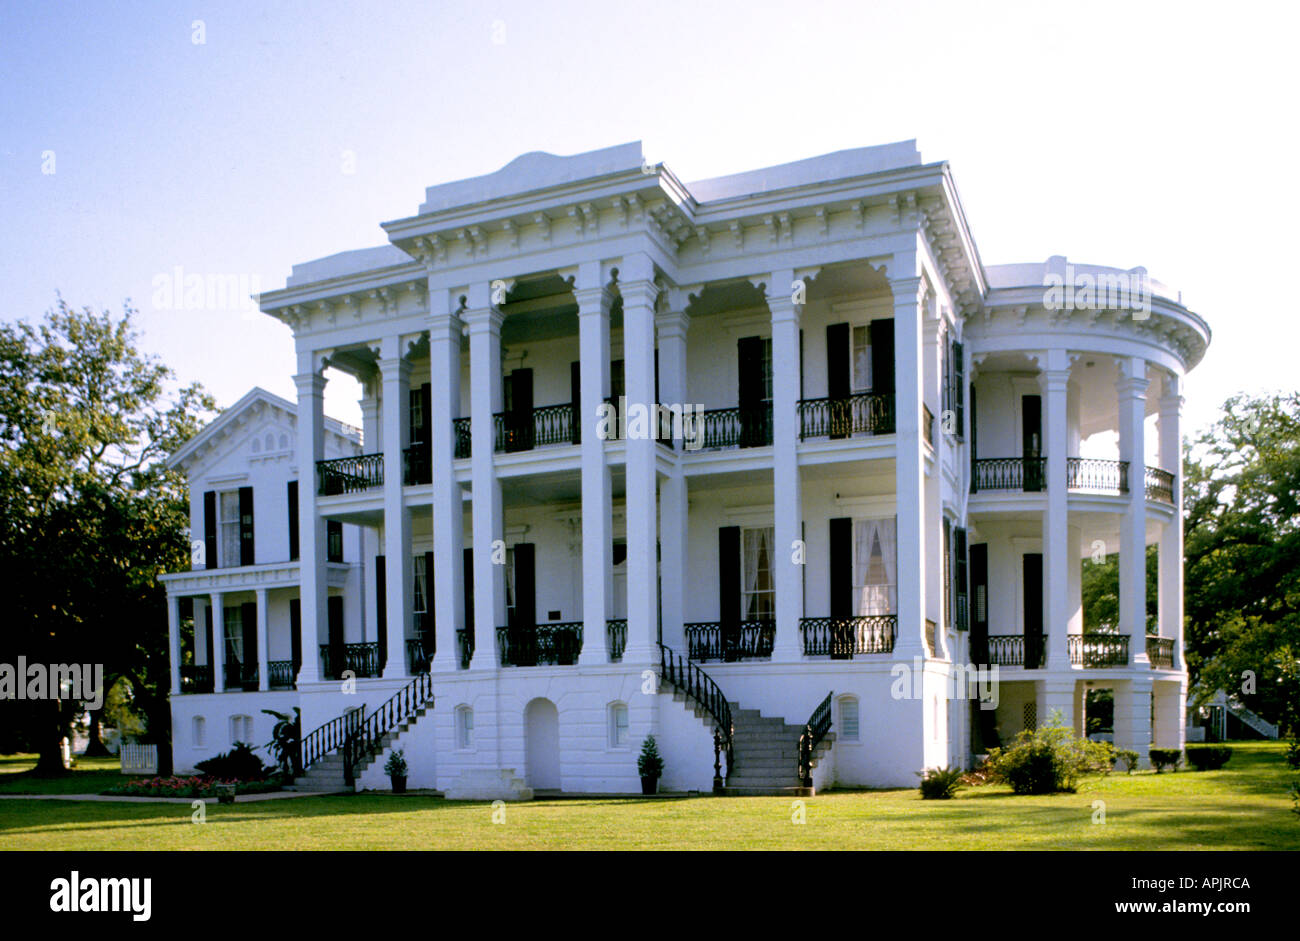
pixel 1098 650
pixel 543 644
pixel 616 638
pixel 361 660
pixel 729 643
pixel 845 638
pixel 241 676
pixel 281 674
pixel 196 678
pixel 1160 651
pixel 1011 650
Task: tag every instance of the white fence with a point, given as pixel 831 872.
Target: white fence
pixel 139 759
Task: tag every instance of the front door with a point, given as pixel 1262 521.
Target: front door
pixel 519 410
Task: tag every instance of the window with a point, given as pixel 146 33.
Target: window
pixel 766 369
pixel 333 541
pixel 200 727
pixel 234 634
pixel 875 566
pixel 228 506
pixel 241 729
pixel 860 365
pixel 757 588
pixel 849 718
pixel 420 590
pixel 510 586
pixel 464 727
pixel 618 734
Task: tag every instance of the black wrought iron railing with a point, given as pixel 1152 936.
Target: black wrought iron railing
pixel 367 737
pixel 240 675
pixel 349 474
pixel 465 646
pixel 196 678
pixel 1085 473
pixel 463 448
pixel 814 731
pixel 523 431
pixel 330 737
pixel 867 413
pixel 1160 651
pixel 1159 485
pixel 744 640
pixel 1009 473
pixel 557 643
pixel 419 652
pixel 361 659
pixel 843 638
pixel 699 686
pixel 281 674
pixel 1098 650
pixel 1011 650
pixel 737 427
pixel 417 463
pixel 616 638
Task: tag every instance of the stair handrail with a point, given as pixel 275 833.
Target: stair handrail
pixel 328 738
pixel 814 731
pixel 363 742
pixel 699 686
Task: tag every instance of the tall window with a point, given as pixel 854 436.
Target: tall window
pixel 228 511
pixel 200 726
pixel 510 586
pixel 234 633
pixel 420 592
pixel 767 369
pixel 464 727
pixel 849 718
pixel 618 727
pixel 875 566
pixel 860 366
pixel 757 587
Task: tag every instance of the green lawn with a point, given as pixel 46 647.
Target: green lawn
pixel 1243 806
pixel 90 776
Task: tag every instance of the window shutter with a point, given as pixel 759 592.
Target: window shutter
pixel 963 616
pixel 841 567
pixel 334 611
pixel 882 354
pixel 749 360
pixel 333 541
pixel 248 626
pixel 427 626
pixel 979 580
pixel 207 632
pixel 575 401
pixel 467 573
pixel 959 388
pixel 947 572
pixel 838 355
pixel 210 555
pixel 381 607
pixel 525 585
pixel 729 575
pixel 246 526
pixel 293 520
pixel 295 633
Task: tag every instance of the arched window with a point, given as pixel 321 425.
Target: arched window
pixel 270 441
pixel 284 442
pixel 464 727
pixel 618 725
pixel 200 727
pixel 848 730
pixel 241 729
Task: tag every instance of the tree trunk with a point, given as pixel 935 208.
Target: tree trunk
pixel 49 759
pixel 95 745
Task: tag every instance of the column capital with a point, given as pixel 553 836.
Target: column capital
pixel 1054 380
pixel 397 367
pixel 1132 368
pixel 481 320
pixel 310 383
pixel 594 300
pixel 1171 405
pixel 672 324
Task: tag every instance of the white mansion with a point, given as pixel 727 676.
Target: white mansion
pixel 878 463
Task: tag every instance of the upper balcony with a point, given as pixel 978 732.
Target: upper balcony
pixel 1083 475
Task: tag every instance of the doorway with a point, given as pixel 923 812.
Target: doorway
pixel 542 745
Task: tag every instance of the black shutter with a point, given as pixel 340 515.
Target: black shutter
pixel 575 401
pixel 729 575
pixel 381 607
pixel 963 615
pixel 210 529
pixel 979 581
pixel 841 567
pixel 426 413
pixel 959 388
pixel 837 360
pixel 427 626
pixel 882 354
pixel 519 411
pixel 749 363
pixel 1031 443
pixel 947 572
pixel 467 574
pixel 801 362
pixel 1033 567
pixel 248 626
pixel 293 520
pixel 295 633
pixel 246 526
pixel 333 541
pixel 973 426
pixel 525 586
pixel 207 627
pixel 334 610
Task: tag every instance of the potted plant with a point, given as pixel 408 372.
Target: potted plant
pixel 226 792
pixel 395 768
pixel 650 765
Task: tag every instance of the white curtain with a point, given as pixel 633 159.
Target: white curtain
pixel 234 628
pixel 875 574
pixel 756 562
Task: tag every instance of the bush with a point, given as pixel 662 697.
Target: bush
pixel 1049 759
pixel 1293 753
pixel 940 783
pixel 1208 757
pixel 238 764
pixel 1129 757
pixel 203 786
pixel 395 766
pixel 1165 758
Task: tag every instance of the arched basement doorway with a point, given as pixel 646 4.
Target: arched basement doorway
pixel 542 745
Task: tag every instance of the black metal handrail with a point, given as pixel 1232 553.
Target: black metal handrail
pixel 1009 473
pixel 866 413
pixel 1160 651
pixel 349 474
pixel 417 464
pixel 699 686
pixel 814 731
pixel 281 674
pixel 330 737
pixel 366 738
pixel 1012 650
pixel 465 645
pixel 737 427
pixel 616 638
pixel 841 638
pixel 463 441
pixel 1098 650
pixel 550 424
pixel 744 640
pixel 1085 473
pixel 1159 485
pixel 557 643
pixel 362 659
pixel 196 678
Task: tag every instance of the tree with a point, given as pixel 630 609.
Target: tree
pixel 1241 497
pixel 89 513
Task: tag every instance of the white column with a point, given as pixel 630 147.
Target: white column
pixel 787 494
pixel 636 285
pixel 217 655
pixel 1133 716
pixel 395 373
pixel 1057 695
pixel 1054 380
pixel 448 507
pixel 371 443
pixel 311 527
pixel 1131 389
pixel 263 676
pixel 174 640
pixel 594 300
pixel 1171 534
pixel 484 321
pixel 909 466
pixel 934 576
pixel 671 327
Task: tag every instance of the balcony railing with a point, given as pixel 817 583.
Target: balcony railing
pixel 1159 485
pixel 737 427
pixel 746 640
pixel 1160 650
pixel 556 643
pixel 281 674
pixel 1012 650
pixel 240 675
pixel 361 659
pixel 843 638
pixel 867 413
pixel 1098 650
pixel 465 646
pixel 551 424
pixel 1009 473
pixel 417 464
pixel 616 638
pixel 461 426
pixel 419 652
pixel 196 678
pixel 350 474
pixel 1082 473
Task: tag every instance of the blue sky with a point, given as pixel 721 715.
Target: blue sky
pixel 1113 133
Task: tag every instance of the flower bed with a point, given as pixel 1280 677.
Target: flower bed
pixel 201 786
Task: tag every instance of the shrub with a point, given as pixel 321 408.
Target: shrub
pixel 1293 753
pixel 1049 759
pixel 1129 757
pixel 395 766
pixel 202 786
pixel 649 764
pixel 1295 798
pixel 1208 757
pixel 940 783
pixel 1165 758
pixel 238 764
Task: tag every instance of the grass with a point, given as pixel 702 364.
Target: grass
pixel 90 776
pixel 1243 806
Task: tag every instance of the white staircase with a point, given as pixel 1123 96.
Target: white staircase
pixel 1253 720
pixel 766 755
